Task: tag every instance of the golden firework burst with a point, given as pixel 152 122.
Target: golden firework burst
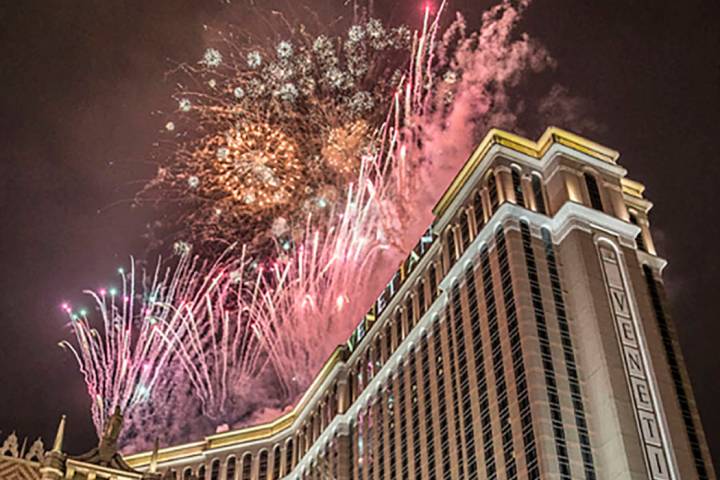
pixel 255 166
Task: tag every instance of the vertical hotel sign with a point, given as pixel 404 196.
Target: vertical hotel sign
pixel 639 382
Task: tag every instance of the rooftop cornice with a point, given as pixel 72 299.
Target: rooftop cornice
pixel 534 149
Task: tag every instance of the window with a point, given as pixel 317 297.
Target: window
pixel 215 470
pixel 452 251
pixel 432 274
pixel 421 298
pixel 276 463
pixel 231 466
pixel 537 188
pixel 478 211
pixel 464 230
pixel 593 192
pixel 517 187
pixel 201 472
pixel 493 192
pixel 263 465
pixel 246 467
pixel 477 342
pixel 398 329
pixel 639 238
pixel 187 474
pixel 410 311
pixel 288 456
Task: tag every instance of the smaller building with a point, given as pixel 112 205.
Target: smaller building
pixel 103 462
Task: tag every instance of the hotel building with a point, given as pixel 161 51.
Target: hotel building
pixel 527 336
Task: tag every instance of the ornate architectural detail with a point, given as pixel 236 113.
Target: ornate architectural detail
pixel 10 446
pixel 15 465
pixel 36 452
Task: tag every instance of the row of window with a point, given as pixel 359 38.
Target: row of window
pixel 569 355
pixel 231 470
pixel 675 371
pixel 546 355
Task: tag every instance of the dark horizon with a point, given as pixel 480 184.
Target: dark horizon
pixel 80 84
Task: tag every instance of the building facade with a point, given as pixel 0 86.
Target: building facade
pixel 527 336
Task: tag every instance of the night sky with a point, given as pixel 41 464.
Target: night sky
pixel 79 81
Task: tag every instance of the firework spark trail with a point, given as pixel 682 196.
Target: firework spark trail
pixel 122 363
pixel 218 345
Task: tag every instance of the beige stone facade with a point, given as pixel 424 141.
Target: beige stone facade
pixel 527 336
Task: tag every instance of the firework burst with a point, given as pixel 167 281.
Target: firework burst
pixel 273 130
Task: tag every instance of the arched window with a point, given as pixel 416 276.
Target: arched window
pixel 263 465
pixel 464 230
pixel 517 187
pixel 432 275
pixel 538 194
pixel 639 238
pixel 398 329
pixel 452 251
pixel 288 456
pixel 201 472
pixel 187 473
pixel 593 192
pixel 493 192
pixel 478 211
pixel 276 463
pixel 215 470
pixel 172 475
pixel 246 467
pixel 410 311
pixel 231 467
